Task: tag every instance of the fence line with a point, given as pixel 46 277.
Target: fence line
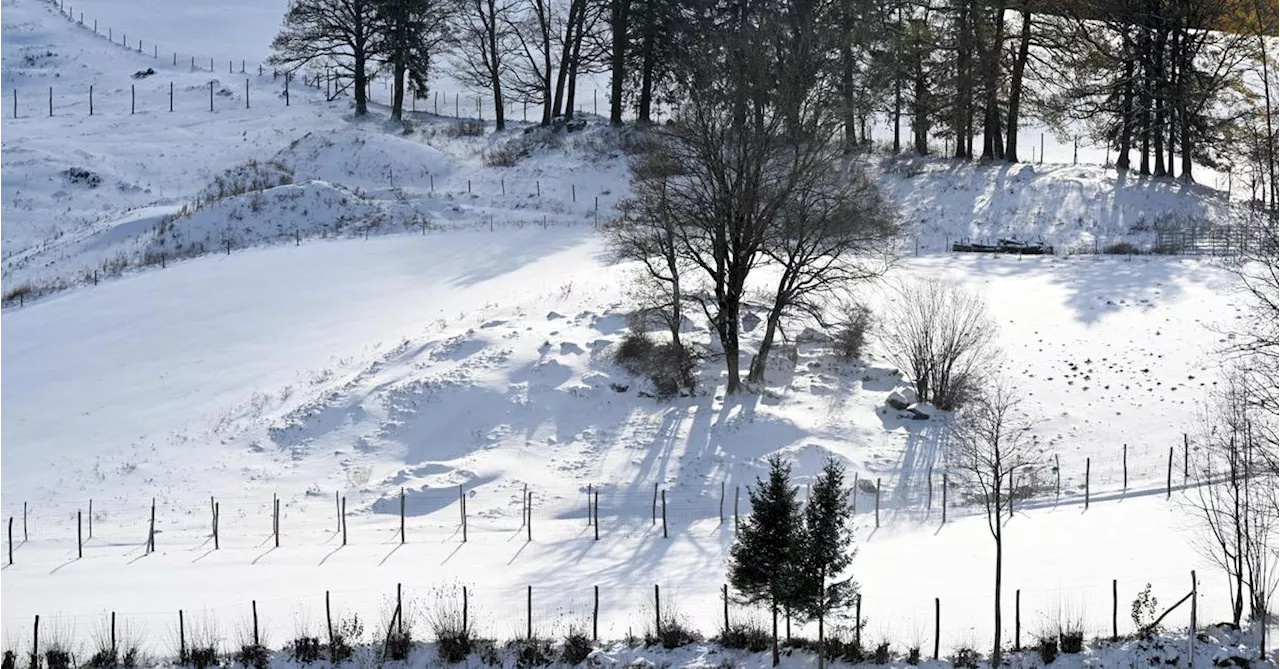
pixel 607 612
pixel 631 510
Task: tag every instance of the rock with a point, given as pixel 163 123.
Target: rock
pixel 898 401
pixel 909 394
pixel 749 321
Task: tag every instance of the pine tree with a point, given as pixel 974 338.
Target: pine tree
pixel 821 586
pixel 761 563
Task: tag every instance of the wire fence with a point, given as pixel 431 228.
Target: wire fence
pixel 610 612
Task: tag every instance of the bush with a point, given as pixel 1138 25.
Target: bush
pixel 1071 637
pixel 305 649
pixel 454 638
pixel 201 657
pixel 668 367
pixel 10 660
pixel 1143 611
pixel 58 657
pixel 942 336
pixel 465 128
pixel 882 653
pixel 532 652
pixel 1121 249
pixel 506 154
pixel 253 656
pixel 913 655
pixel 746 636
pixel 577 647
pixel 675 633
pixel 348 632
pixel 850 333
pixel 399 645
pixel 1047 647
pixel 19 294
pixel 965 657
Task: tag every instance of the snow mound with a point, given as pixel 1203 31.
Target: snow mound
pixel 365 158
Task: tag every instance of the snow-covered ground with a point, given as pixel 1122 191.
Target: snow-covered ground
pixel 390 317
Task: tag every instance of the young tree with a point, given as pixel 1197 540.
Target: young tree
pixel 412 34
pixel 826 553
pixel 763 558
pixel 941 334
pixel 990 444
pixel 338 33
pixel 484 34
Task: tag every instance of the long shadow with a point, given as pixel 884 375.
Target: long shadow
pixel 203 555
pixel 269 552
pixel 451 554
pixel 64 564
pixel 389 554
pixel 329 555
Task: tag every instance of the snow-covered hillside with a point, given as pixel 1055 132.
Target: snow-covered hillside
pixel 281 301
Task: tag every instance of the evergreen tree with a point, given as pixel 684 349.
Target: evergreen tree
pixel 761 563
pixel 819 585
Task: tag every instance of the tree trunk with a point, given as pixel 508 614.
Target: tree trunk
pixel 846 97
pixel 359 81
pixel 1015 86
pixel 645 112
pixel 1157 131
pixel 397 102
pixel 992 147
pixel 495 71
pixel 1144 102
pixel 618 58
pixel 995 649
pixel 962 111
pixel 761 359
pixel 566 56
pixel 774 607
pixel 1126 107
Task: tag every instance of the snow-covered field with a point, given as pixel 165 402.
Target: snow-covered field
pixel 397 319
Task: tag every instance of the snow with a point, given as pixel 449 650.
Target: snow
pixel 393 317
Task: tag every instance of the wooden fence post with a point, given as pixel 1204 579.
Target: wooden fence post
pixel 343 516
pixel 91 99
pixel 737 490
pixel 402 513
pixel 724 589
pixel 1191 636
pixel 1168 485
pixel 928 502
pixel 595 615
pixel 182 639
pixel 944 499
pixel 246 93
pixel 937 625
pixel 51 101
pixel 664 513
pixel 35 644
pixel 529 610
pixel 24 522
pixel 657 611
pixel 1012 477
pixel 256 641
pixel 133 98
pixel 328 619
pixel 596 506
pixel 1017 619
pixel 90 517
pixel 151 535
pixel 655 503
pixel 287 77
pixel 10 540
pixel 1086 483
pixel 857 620
pixel 590 519
pixel 529 525
pixel 1186 457
pixel 464 608
pixel 113 634
pixel 79 538
pixel 1124 462
pixel 1115 604
pixel 877 502
pixel 722 502
pixel 210 95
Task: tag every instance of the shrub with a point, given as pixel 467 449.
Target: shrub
pixel 1143 611
pixel 668 367
pixel 465 128
pixel 1121 249
pixel 1047 647
pixel 506 154
pixel 1071 637
pixel 19 294
pixel 348 632
pixel 454 638
pixel 10 660
pixel 634 352
pixel 850 333
pixel 674 633
pixel 913 655
pixel 305 649
pixel 57 657
pixel 253 656
pixel 489 654
pixel 577 647
pixel 532 652
pixel 399 644
pixel 942 336
pixel 882 653
pixel 201 657
pixel 965 657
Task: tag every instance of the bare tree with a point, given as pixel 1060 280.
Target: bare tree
pixel 941 334
pixel 836 231
pixel 342 34
pixel 484 36
pixel 1235 496
pixel 990 444
pixel 533 69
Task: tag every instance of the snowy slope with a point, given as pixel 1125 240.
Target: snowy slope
pixel 391 315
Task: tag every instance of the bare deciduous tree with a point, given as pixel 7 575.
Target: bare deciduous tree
pixel 940 334
pixel 483 39
pixel 342 34
pixel 990 444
